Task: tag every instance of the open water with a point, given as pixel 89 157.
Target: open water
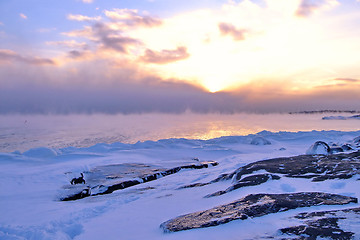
pixel 22 132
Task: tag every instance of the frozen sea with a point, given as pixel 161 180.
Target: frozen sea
pixel 23 132
pixel 40 154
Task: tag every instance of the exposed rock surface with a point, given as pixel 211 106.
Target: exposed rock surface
pixel 253 205
pixel 314 167
pixel 120 176
pixel 326 224
pixel 252 180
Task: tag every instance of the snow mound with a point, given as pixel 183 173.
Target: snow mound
pixel 41 152
pixel 260 141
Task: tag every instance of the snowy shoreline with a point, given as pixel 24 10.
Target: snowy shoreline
pixel 32 183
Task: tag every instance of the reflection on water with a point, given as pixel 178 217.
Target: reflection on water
pixel 22 132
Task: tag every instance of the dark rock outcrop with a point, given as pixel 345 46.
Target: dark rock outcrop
pixel 315 167
pixel 252 180
pixel 253 205
pixel 143 176
pixel 86 192
pixel 325 224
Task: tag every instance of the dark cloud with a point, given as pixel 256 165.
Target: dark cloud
pixel 165 56
pixel 229 29
pixel 113 39
pixel 10 56
pixel 76 54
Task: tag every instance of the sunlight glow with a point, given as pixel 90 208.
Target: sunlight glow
pixel 276 44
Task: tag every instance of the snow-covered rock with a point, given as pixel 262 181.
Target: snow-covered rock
pixel 260 141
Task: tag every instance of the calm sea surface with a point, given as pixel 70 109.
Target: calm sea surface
pixel 22 132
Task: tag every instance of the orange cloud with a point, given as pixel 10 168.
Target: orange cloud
pixel 131 17
pixel 69 44
pixel 229 29
pixel 349 80
pixel 81 18
pixel 165 56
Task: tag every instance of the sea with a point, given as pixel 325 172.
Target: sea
pixel 23 132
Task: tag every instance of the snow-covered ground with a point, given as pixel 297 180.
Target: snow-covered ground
pixel 33 182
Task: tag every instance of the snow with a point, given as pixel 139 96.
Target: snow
pixel 32 182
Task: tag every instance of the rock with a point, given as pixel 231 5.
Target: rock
pixel 252 180
pixel 260 141
pixel 356 141
pixel 82 194
pixel 123 172
pixel 319 147
pixel 317 168
pixel 253 205
pixel 194 185
pixel 347 147
pixel 325 224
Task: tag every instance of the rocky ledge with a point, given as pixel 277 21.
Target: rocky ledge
pixel 253 205
pixel 326 224
pixel 121 176
pixel 314 167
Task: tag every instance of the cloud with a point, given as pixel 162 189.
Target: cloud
pixel 87 1
pixel 131 17
pixel 86 32
pixel 7 56
pixel 23 16
pixel 348 80
pixel 113 35
pixel 1 24
pixel 309 7
pixel 165 56
pixel 77 55
pixel 229 29
pixel 69 44
pixel 112 39
pixel 81 18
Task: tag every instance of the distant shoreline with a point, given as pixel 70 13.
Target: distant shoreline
pixel 325 111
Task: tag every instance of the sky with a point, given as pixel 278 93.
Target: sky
pixel 134 56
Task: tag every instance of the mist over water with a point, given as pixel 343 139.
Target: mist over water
pixel 22 132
